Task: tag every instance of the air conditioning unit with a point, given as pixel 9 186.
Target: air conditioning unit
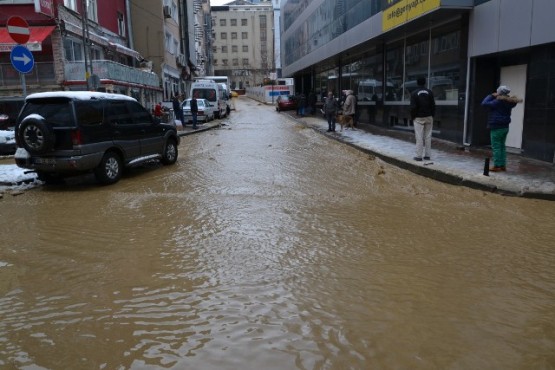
pixel 167 11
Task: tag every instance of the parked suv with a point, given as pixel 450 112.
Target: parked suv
pixel 66 133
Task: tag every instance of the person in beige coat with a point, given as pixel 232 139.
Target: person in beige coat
pixel 350 105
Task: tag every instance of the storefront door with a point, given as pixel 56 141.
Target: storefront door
pixel 515 78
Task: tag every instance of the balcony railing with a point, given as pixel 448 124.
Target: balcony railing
pixel 41 74
pixel 109 70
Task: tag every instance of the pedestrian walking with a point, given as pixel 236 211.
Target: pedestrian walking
pixel 349 105
pixel 330 111
pixel 302 105
pixel 422 111
pixel 177 111
pixel 500 105
pixel 194 111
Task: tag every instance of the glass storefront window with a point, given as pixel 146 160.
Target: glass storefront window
pixel 446 61
pixel 416 63
pixel 327 81
pixel 394 69
pixel 437 56
pixel 369 82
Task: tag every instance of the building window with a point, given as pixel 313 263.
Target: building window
pixel 71 4
pixel 233 22
pixel 121 24
pixel 234 35
pixel 262 19
pixel 215 62
pixel 223 36
pixel 234 49
pixel 245 48
pixel 222 22
pixel 263 35
pixel 244 35
pixel 243 22
pixel 224 49
pixel 224 62
pixel 245 61
pixel 235 61
pixel 92 13
pixel 214 49
pixel 73 50
pixel 171 43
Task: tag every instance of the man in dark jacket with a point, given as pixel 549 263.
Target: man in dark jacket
pixel 500 105
pixel 422 110
pixel 194 111
pixel 330 111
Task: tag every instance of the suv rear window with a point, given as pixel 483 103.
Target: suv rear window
pixel 57 112
pixel 89 113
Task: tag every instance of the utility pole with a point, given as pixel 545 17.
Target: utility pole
pixel 85 41
pixel 86 44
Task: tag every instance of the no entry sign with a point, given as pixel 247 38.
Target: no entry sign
pixel 18 29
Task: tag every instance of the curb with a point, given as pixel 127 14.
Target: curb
pixel 433 172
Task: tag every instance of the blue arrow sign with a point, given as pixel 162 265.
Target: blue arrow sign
pixel 22 59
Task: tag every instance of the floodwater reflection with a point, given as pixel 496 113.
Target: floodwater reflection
pixel 270 246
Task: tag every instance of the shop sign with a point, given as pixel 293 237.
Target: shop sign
pixel 398 12
pixel 45 7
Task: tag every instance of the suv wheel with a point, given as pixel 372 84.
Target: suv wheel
pixel 110 169
pixel 170 152
pixel 35 136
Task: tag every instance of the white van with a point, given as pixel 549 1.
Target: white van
pixel 227 95
pixel 211 91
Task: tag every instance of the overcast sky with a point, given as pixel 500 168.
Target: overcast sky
pixel 219 2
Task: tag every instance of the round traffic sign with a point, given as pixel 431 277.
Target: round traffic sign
pixel 22 59
pixel 18 28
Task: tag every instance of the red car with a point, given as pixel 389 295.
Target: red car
pixel 286 102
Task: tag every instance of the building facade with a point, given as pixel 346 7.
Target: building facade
pixel 465 49
pixel 76 45
pixel 243 42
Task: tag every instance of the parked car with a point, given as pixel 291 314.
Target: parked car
pixel 9 109
pixel 206 111
pixel 7 142
pixel 66 133
pixel 286 102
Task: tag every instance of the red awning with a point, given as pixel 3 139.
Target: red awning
pixel 38 34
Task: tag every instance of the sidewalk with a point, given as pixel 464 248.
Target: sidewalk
pixel 188 129
pixel 449 163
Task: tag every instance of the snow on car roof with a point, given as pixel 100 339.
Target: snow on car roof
pixel 79 95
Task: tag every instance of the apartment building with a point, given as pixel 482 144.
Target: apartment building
pixel 243 42
pixel 76 45
pixel 465 48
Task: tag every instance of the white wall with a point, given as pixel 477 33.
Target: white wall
pixel 501 25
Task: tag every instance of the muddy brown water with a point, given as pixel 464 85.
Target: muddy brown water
pixel 269 246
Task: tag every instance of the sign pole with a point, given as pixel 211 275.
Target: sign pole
pixel 23 84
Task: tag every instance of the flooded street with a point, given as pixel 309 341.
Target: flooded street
pixel 270 246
